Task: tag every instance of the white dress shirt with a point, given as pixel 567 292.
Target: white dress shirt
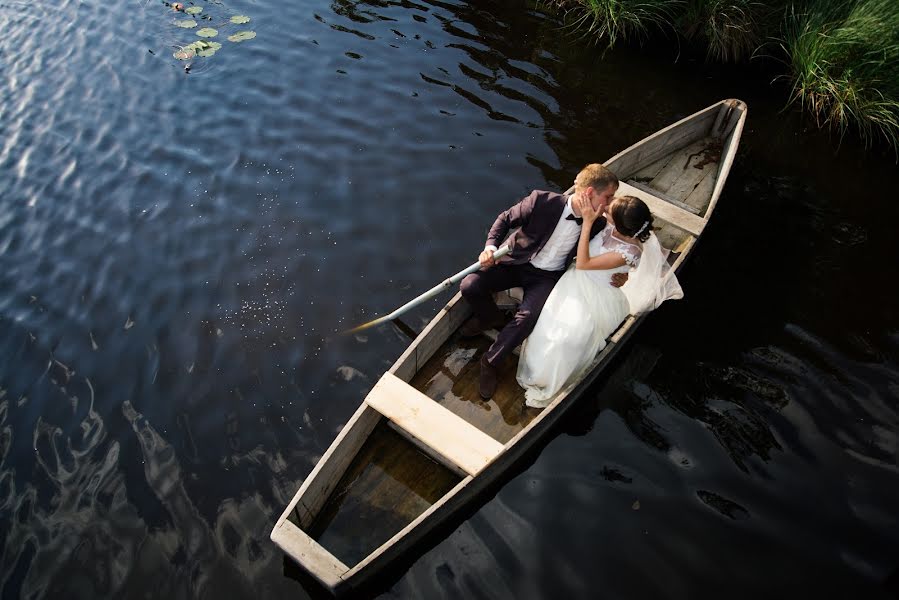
pixel 553 254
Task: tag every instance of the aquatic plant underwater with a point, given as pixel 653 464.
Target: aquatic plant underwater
pixel 841 57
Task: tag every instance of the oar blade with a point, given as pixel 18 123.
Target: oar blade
pixel 365 326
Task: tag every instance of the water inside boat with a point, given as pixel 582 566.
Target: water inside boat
pixel 387 485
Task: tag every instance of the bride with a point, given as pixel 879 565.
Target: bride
pixel 584 308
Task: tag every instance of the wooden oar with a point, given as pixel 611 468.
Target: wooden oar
pixel 445 284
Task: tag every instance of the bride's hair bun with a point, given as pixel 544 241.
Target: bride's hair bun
pixel 632 217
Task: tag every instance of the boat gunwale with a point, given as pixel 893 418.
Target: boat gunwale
pixel 732 142
pixel 360 426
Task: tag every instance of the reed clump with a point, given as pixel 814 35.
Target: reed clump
pixel 842 56
pixel 844 64
pixel 731 30
pixel 611 21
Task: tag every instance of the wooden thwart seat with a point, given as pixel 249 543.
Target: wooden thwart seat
pixel 665 211
pixel 297 542
pixel 446 434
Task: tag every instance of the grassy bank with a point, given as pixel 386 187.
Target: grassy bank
pixel 841 56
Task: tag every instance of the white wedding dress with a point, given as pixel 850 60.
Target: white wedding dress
pixel 584 308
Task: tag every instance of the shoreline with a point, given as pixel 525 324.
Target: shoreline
pixel 839 61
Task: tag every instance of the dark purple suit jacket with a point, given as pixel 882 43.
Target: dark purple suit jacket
pixel 535 218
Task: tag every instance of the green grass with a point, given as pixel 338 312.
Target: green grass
pixel 844 64
pixel 731 30
pixel 611 21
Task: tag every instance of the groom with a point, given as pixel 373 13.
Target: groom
pixel 546 227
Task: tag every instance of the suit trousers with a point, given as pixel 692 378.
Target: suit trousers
pixel 479 287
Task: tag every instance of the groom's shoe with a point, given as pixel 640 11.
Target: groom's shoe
pixel 487 381
pixel 475 327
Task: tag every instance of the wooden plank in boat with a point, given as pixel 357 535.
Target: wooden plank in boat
pixel 684 187
pixel 680 176
pixel 649 172
pixel 701 195
pixel 326 567
pixel 655 147
pixel 649 190
pixel 446 434
pixel 664 147
pixel 665 211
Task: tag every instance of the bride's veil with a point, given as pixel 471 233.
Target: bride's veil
pixel 652 282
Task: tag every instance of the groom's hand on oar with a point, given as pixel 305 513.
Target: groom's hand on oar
pixel 486 258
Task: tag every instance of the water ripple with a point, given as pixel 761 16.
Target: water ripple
pixel 179 252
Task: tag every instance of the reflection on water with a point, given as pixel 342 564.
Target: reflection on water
pixel 82 533
pixel 178 253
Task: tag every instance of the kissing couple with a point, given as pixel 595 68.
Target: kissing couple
pixel 585 262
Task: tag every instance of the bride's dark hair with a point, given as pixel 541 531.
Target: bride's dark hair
pixel 632 217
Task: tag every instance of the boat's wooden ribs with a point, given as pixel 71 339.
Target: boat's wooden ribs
pixel 450 437
pixel 663 210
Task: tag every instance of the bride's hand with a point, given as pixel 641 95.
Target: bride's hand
pixel 587 212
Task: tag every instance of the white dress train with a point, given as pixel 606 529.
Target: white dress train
pixel 584 308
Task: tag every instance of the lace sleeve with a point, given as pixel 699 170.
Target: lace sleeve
pixel 631 254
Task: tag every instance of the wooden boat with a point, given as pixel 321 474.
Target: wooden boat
pixel 423 443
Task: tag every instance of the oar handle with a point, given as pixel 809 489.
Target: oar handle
pixel 499 253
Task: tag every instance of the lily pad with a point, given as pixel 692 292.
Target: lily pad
pixel 186 24
pixel 194 10
pixel 207 32
pixel 241 36
pixel 240 19
pixel 184 54
pixel 210 49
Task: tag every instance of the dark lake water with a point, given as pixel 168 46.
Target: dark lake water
pixel 178 252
